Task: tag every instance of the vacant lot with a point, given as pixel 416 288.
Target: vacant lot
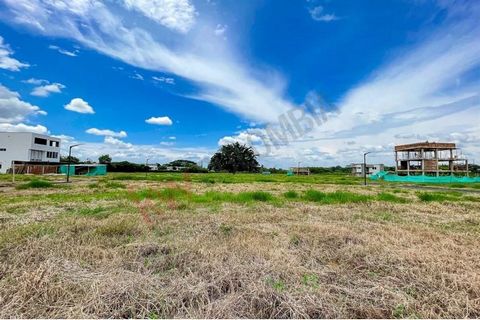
pixel 252 246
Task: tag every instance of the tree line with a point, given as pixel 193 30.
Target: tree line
pixel 232 158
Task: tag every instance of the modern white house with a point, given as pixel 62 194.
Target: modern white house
pixel 27 147
pixel 357 169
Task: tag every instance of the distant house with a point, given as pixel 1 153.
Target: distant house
pixel 300 171
pixel 358 169
pixel 152 167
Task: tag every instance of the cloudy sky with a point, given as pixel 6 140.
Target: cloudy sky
pixel 311 81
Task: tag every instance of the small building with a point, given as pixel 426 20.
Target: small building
pixel 300 171
pixel 91 169
pixel 429 158
pixel 152 167
pixel 358 169
pixel 27 147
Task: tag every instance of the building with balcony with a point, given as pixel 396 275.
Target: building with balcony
pixel 27 147
pixel 358 169
pixel 429 158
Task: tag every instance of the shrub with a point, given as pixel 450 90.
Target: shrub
pixel 255 196
pixel 385 196
pixel 291 194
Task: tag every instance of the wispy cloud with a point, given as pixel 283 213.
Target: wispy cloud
pixel 106 132
pixel 221 78
pixel 46 90
pixel 166 80
pixel 7 61
pixel 178 15
pixel 63 51
pixel 318 14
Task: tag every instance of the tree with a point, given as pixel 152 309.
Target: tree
pixel 71 159
pixel 234 157
pixel 105 159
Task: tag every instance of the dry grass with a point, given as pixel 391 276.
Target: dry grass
pixel 107 255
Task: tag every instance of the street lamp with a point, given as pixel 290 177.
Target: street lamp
pixel 70 160
pixel 365 167
pixel 146 167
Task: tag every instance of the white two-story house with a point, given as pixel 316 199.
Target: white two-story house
pixel 28 147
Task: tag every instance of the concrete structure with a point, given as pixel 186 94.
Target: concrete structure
pixel 27 147
pixel 300 171
pixel 85 169
pixel 429 158
pixel 358 169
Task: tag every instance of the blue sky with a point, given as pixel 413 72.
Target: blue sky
pixel 168 79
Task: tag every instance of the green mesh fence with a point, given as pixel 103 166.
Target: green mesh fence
pixel 391 177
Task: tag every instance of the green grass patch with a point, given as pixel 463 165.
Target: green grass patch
pixel 388 197
pixel 439 196
pixel 335 197
pixel 254 196
pixel 291 194
pixel 35 184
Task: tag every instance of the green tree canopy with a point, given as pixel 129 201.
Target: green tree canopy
pixel 233 158
pixel 105 159
pixel 70 159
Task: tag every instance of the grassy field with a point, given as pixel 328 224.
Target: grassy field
pixel 220 245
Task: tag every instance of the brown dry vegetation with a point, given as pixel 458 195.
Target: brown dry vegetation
pixel 93 251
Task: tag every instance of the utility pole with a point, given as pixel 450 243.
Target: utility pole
pixel 146 167
pixel 70 160
pixel 365 168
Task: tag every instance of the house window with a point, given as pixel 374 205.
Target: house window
pixel 3 149
pixel 54 143
pixel 40 141
pixel 52 155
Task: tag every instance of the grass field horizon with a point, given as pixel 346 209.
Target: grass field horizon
pixel 243 245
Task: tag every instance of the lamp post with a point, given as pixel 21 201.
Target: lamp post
pixel 365 167
pixel 146 167
pixel 70 160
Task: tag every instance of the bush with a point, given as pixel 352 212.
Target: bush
pixel 291 194
pixel 255 196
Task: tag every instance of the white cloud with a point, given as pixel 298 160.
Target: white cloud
pixel 13 109
pixel 246 137
pixel 220 29
pixel 106 132
pixel 36 82
pixel 63 51
pixel 178 15
pixel 164 79
pixel 79 105
pixel 137 76
pixel 46 90
pixel 117 143
pixel 65 138
pixel 317 14
pixel 172 138
pixel 161 121
pixel 21 127
pixel 6 60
